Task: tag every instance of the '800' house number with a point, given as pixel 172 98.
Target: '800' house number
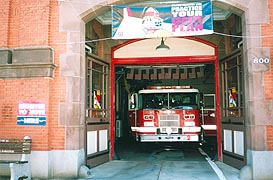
pixel 261 60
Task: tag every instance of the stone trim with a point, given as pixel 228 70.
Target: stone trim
pixel 9 71
pixel 26 62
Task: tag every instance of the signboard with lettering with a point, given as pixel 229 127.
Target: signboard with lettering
pixel 174 20
pixel 31 113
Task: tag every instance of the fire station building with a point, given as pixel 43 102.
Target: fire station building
pixel 65 77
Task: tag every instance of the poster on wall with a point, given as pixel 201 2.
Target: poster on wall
pixel 173 20
pixel 31 113
pixel 232 97
pixel 96 99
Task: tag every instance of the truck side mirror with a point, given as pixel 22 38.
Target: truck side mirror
pixel 132 101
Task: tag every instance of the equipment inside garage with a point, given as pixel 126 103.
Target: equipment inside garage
pixel 131 79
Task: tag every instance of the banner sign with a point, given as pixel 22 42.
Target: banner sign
pixel 31 113
pixel 174 20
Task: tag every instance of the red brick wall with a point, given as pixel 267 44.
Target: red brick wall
pixel 269 132
pixel 14 91
pixel 28 23
pixel 4 19
pixel 268 76
pixel 268 42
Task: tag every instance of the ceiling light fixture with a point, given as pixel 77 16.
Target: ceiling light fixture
pixel 162 46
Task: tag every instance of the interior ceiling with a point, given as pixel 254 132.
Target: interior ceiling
pixel 219 14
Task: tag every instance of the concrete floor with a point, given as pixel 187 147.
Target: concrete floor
pixel 152 161
pixel 162 162
pixel 147 170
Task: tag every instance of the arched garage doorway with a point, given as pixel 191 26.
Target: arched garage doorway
pixel 252 25
pixel 141 55
pixel 131 54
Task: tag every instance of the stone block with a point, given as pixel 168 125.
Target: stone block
pixel 261 164
pixel 20 171
pixel 26 62
pixel 32 55
pixel 5 56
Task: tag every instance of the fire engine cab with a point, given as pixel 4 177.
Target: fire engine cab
pixel 165 114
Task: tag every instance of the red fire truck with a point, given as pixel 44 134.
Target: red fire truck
pixel 166 114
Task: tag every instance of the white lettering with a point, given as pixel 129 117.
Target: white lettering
pixel 266 60
pixel 31 106
pixel 194 9
pixel 23 112
pixel 261 60
pixel 37 112
pixel 31 120
pixel 255 60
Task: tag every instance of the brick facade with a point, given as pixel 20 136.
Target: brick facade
pixel 268 76
pixel 4 10
pixel 28 23
pixel 268 42
pixel 32 23
pixel 269 135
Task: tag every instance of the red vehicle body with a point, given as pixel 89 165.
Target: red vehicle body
pixel 166 114
pixel 209 115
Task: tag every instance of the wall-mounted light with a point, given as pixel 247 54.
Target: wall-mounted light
pixel 88 49
pixel 60 1
pixel 162 46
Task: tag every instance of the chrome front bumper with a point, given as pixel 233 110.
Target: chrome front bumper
pixel 168 138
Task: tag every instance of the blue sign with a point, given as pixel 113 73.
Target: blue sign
pixel 39 121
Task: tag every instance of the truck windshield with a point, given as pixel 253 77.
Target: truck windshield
pixel 169 101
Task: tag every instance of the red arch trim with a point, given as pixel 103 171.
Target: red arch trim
pixel 163 60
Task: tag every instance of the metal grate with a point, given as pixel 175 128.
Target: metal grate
pixel 171 120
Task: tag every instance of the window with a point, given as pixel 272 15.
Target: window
pixel 168 100
pixel 209 102
pixel 97 89
pixel 232 87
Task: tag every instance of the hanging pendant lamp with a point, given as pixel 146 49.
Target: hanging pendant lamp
pixel 162 46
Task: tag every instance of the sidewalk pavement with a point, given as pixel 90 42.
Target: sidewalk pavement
pixel 128 170
pixel 229 172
